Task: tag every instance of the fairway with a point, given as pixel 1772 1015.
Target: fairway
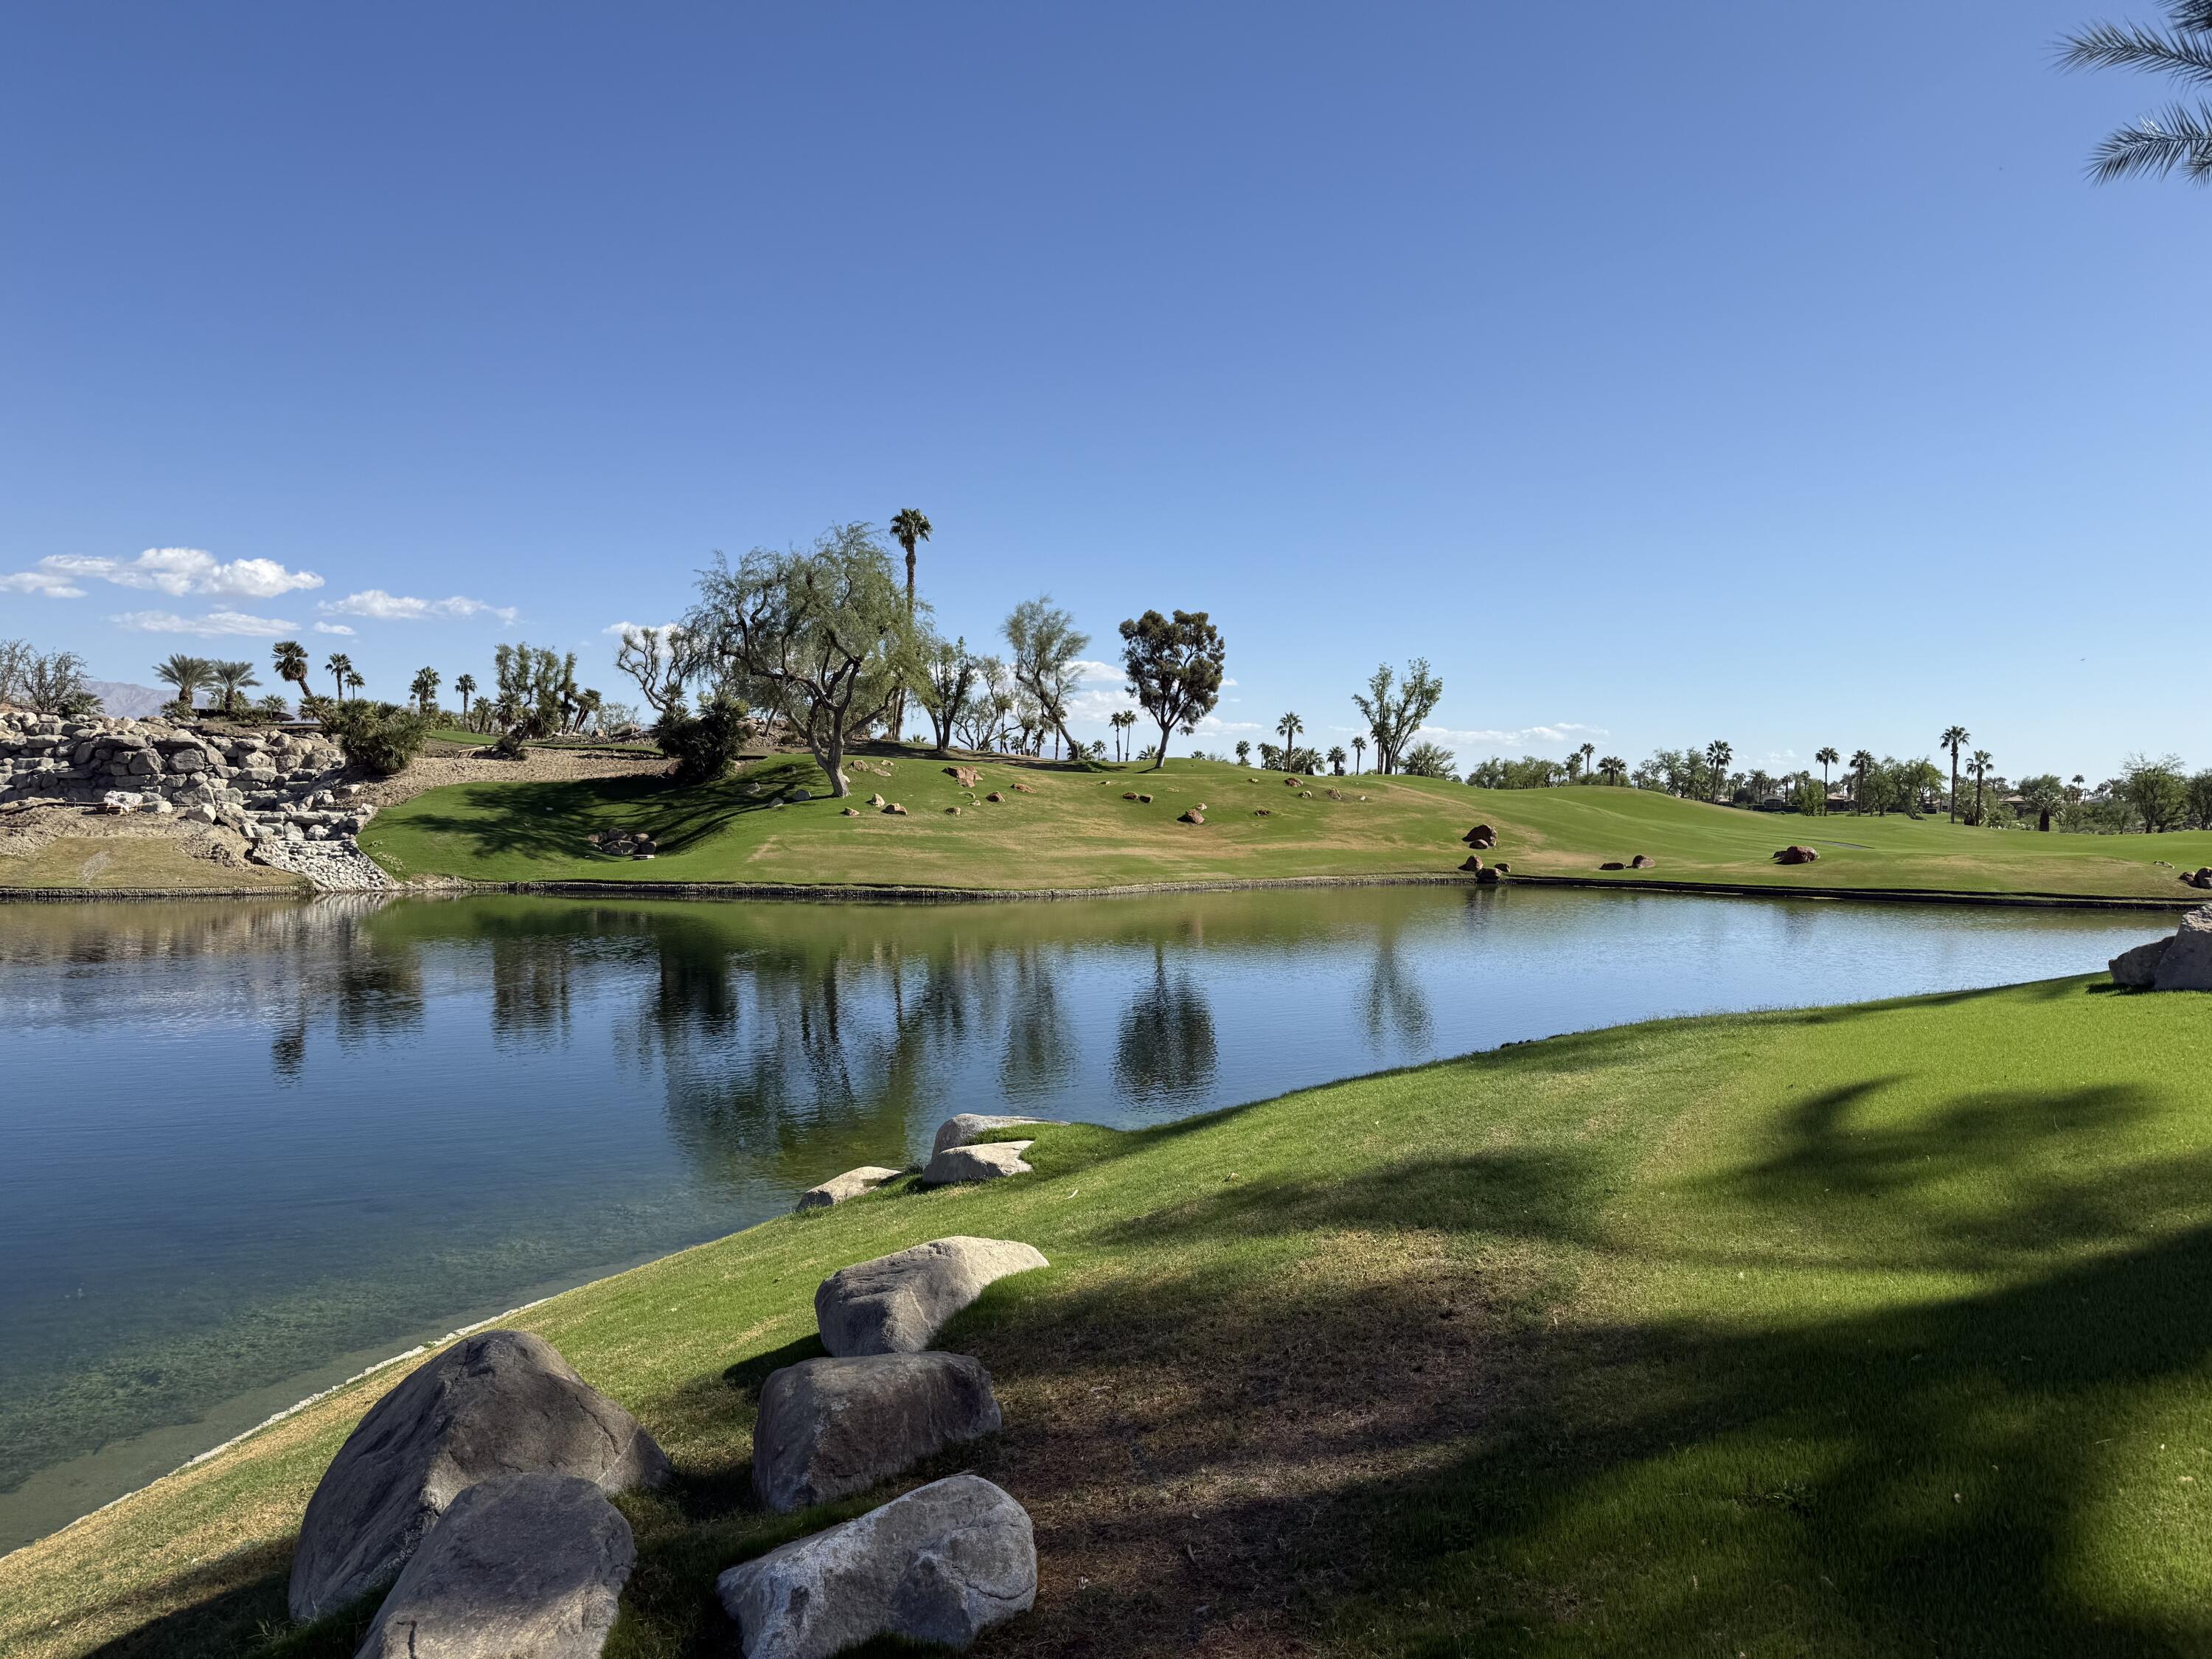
pixel 1852 1331
pixel 1069 828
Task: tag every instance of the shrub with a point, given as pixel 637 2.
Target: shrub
pixel 704 745
pixel 383 736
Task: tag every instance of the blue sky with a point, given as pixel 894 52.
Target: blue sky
pixel 1661 373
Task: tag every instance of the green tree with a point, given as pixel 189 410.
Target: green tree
pixel 2045 795
pixel 1588 750
pixel 1244 751
pixel 1863 764
pixel 187 673
pixel 1955 738
pixel 290 658
pixel 2178 136
pixel 2155 790
pixel 1336 759
pixel 425 689
pixel 1717 756
pixel 1392 720
pixel 1288 728
pixel 1613 771
pixel 1174 667
pixel 1047 647
pixel 1980 764
pixel 1827 756
pixel 945 681
pixel 230 679
pixel 826 629
pixel 339 667
pixel 465 687
pixel 909 529
pixel 1427 760
pixel 2200 800
pixel 1358 754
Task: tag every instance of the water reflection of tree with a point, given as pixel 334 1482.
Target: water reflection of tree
pixel 1394 1002
pixel 1166 1049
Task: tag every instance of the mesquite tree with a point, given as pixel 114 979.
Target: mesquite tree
pixel 826 628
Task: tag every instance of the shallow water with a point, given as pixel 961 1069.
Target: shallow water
pixel 246 1146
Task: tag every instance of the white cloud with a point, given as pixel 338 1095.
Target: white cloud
pixel 1215 723
pixel 51 583
pixel 214 625
pixel 331 627
pixel 1093 673
pixel 378 605
pixel 1567 731
pixel 179 571
pixel 617 631
pixel 1226 682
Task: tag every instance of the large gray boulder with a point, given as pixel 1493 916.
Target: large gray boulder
pixel 520 1564
pixel 831 1427
pixel 965 1128
pixel 897 1303
pixel 499 1402
pixel 988 1161
pixel 939 1564
pixel 2186 962
pixel 851 1184
pixel 2137 970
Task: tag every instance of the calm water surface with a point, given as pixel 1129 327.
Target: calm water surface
pixel 246 1147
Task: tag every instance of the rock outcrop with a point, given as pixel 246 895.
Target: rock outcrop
pixel 990 1161
pixel 499 1402
pixel 964 1127
pixel 2182 962
pixel 851 1184
pixel 521 1564
pixel 829 1428
pixel 1793 853
pixel 897 1304
pixel 940 1565
pixel 277 788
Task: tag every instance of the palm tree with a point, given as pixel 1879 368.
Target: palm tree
pixel 425 687
pixel 909 529
pixel 1980 762
pixel 1122 720
pixel 1358 754
pixel 1613 770
pixel 354 681
pixel 1574 763
pixel 1588 749
pixel 1243 751
pixel 339 666
pixel 1955 738
pixel 2178 136
pixel 291 659
pixel 1717 756
pixel 1336 758
pixel 231 679
pixel 1289 727
pixel 1862 763
pixel 1827 756
pixel 186 673
pixel 466 685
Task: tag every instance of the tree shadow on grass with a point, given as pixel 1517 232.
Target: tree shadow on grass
pixel 554 820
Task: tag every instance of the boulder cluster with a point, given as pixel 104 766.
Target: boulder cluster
pixel 2183 962
pixel 2200 877
pixel 1793 853
pixel 1479 840
pixel 623 843
pixel 474 1495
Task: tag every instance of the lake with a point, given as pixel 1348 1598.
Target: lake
pixel 247 1147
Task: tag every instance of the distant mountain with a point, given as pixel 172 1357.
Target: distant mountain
pixel 128 701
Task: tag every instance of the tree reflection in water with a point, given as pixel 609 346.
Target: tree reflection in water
pixel 1166 1051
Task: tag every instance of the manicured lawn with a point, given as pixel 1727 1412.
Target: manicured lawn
pixel 1859 1331
pixel 1075 830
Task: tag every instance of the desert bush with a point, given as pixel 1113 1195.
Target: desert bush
pixel 705 745
pixel 382 736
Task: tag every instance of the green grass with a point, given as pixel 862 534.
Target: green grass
pixel 1075 831
pixel 1857 1331
pixel 152 862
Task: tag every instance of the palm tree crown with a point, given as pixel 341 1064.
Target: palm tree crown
pixel 186 673
pixel 2180 135
pixel 291 659
pixel 339 667
pixel 1289 727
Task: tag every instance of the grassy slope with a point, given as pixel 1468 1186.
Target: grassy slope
pixel 111 862
pixel 1857 1331
pixel 1076 831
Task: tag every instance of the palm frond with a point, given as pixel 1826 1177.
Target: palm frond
pixel 2191 16
pixel 2131 46
pixel 2179 137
